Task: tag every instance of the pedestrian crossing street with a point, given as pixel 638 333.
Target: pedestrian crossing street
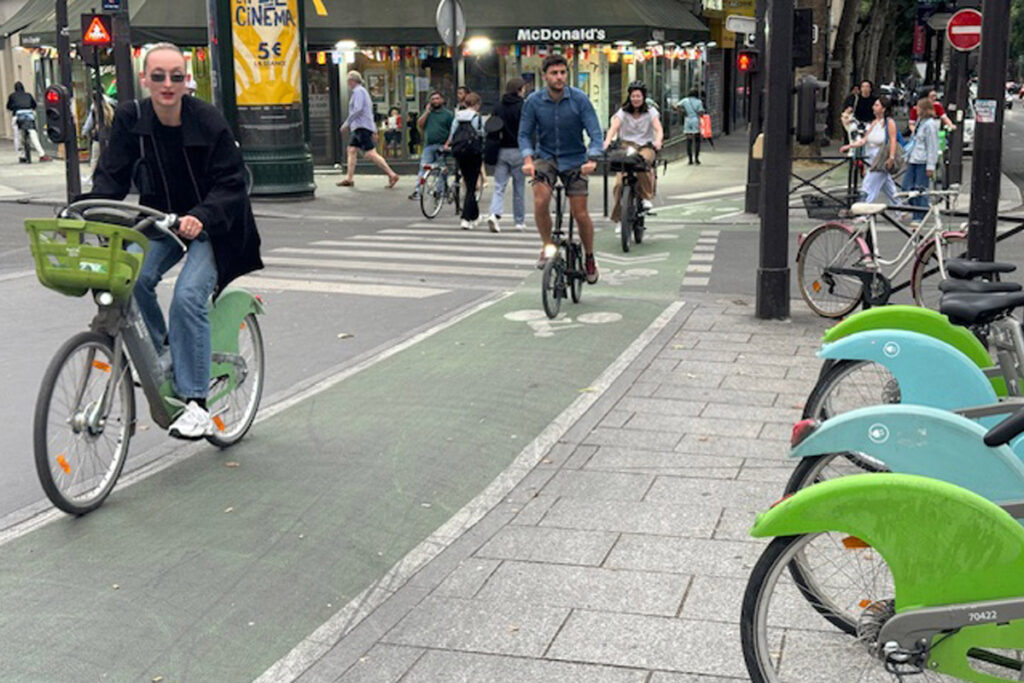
pixel 416 261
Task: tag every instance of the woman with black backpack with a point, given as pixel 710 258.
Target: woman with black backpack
pixel 503 145
pixel 466 142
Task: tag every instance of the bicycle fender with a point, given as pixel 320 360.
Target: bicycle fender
pixel 227 315
pixel 924 246
pixel 929 372
pixel 913 319
pixel 914 439
pixel 943 544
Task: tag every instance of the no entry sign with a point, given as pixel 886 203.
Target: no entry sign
pixel 964 30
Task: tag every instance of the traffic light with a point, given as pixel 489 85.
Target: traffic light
pixel 58 113
pixel 747 61
pixel 811 101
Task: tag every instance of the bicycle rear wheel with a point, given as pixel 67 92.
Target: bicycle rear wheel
pixel 828 294
pixel 432 193
pixel 79 451
pixel 553 285
pixel 235 411
pixel 576 266
pixel 926 276
pixel 627 214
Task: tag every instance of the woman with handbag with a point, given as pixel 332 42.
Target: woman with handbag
pixel 883 153
pixel 692 108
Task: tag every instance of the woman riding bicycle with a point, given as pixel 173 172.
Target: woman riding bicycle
pixel 639 124
pixel 181 155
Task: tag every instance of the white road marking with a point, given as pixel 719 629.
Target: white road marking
pixel 734 189
pixel 696 281
pixel 431 246
pixel 400 256
pixel 320 286
pixel 702 257
pixel 392 267
pixel 455 233
pixel 695 268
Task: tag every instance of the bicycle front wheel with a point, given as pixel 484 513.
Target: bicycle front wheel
pixel 553 285
pixel 829 294
pixel 627 213
pixel 432 193
pixel 927 274
pixel 234 408
pixel 80 449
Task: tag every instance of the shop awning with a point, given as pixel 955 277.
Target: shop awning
pixel 30 12
pixel 401 22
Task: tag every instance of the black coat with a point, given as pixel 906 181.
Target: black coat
pixel 218 168
pixel 510 110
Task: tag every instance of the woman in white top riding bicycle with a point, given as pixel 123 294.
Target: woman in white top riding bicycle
pixel 637 123
pixel 880 132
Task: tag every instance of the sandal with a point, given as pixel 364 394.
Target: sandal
pixel 346 183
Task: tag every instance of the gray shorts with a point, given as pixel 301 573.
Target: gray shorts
pixel 546 171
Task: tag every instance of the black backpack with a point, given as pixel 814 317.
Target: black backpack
pixel 467 140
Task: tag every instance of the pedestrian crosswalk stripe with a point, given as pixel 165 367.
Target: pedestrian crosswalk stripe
pixel 400 256
pixel 702 257
pixel 695 268
pixel 454 233
pixel 418 245
pixel 257 282
pixel 385 266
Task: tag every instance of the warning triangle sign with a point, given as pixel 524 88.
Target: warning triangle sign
pixel 97 33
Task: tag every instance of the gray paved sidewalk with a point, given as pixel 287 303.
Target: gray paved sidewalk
pixel 622 556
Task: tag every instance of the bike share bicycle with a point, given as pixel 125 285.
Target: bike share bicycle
pixel 85 413
pixel 564 271
pixel 625 159
pixel 442 182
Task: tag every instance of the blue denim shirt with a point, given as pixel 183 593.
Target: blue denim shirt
pixel 559 128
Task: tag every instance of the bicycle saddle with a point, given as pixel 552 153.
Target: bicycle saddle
pixel 965 308
pixel 967 269
pixel 978 286
pixel 865 209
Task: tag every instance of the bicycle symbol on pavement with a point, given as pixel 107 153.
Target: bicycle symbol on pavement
pixel 617 278
pixel 543 327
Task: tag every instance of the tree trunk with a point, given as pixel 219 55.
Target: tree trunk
pixel 842 75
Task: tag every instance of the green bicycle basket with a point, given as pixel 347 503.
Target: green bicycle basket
pixel 73 256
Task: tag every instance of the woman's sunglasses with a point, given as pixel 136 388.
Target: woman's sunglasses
pixel 160 77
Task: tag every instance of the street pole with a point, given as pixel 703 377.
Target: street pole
pixel 988 132
pixel 123 55
pixel 957 104
pixel 752 200
pixel 455 52
pixel 71 173
pixel 773 269
pixel 97 103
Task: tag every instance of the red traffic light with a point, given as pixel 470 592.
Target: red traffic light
pixel 746 61
pixel 52 96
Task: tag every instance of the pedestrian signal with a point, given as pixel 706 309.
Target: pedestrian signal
pixel 96 30
pixel 58 113
pixel 746 61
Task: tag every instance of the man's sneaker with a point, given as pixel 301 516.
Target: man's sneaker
pixel 591 268
pixel 492 223
pixel 542 260
pixel 194 423
pixel 465 225
pixel 414 195
pixel 520 227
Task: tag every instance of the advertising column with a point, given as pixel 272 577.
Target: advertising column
pixel 267 44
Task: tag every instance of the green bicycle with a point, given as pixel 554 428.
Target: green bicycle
pixel 85 413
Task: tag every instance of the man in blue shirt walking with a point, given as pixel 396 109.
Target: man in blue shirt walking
pixel 364 132
pixel 557 116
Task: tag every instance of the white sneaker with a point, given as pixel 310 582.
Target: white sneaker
pixel 492 223
pixel 520 227
pixel 194 423
pixel 647 204
pixel 466 225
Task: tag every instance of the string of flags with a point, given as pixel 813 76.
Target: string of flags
pixel 627 53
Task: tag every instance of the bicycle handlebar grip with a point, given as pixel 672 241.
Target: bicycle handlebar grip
pixel 1007 430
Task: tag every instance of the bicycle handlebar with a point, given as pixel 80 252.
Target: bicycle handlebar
pixel 163 222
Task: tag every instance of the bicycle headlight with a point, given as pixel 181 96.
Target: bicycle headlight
pixel 104 298
pixel 550 250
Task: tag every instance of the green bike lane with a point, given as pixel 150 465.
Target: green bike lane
pixel 215 568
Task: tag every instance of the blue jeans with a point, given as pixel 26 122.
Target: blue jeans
pixel 428 156
pixel 189 336
pixel 510 163
pixel 916 178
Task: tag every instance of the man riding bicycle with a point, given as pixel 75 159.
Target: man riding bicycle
pixel 637 123
pixel 559 114
pixel 182 157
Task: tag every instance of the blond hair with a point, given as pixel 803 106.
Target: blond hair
pixel 156 48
